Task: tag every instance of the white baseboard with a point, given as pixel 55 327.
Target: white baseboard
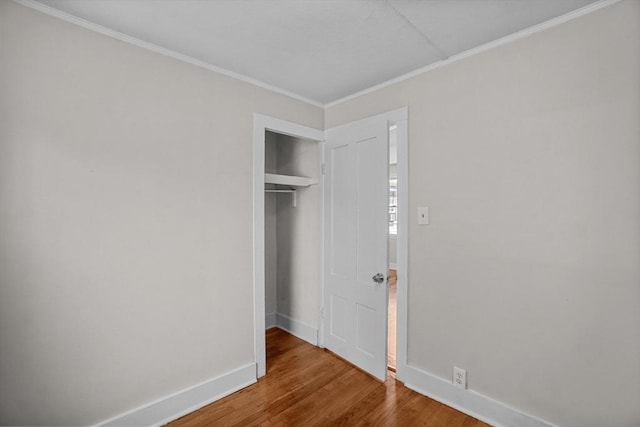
pixel 297 328
pixel 270 320
pixel 186 401
pixel 468 401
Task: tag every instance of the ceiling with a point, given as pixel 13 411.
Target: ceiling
pixel 320 50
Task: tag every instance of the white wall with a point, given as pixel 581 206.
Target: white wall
pixel 298 233
pixel 528 275
pixel 125 221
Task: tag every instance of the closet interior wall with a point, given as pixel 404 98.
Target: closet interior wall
pixel 292 236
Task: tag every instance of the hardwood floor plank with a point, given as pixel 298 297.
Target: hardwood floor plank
pixel 307 386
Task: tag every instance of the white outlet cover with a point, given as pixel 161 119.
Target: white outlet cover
pixel 459 378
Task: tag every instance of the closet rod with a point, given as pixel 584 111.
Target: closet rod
pixel 292 191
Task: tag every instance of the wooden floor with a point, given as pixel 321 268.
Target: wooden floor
pixel 308 386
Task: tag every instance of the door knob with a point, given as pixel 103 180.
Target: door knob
pixel 378 278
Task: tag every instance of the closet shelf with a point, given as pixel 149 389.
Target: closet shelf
pixel 293 181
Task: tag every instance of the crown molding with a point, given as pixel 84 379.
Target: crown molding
pixel 33 4
pixel 161 50
pixel 482 48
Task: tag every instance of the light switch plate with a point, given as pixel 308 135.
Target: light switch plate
pixel 423 216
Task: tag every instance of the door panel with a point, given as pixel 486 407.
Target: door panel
pixel 338 309
pixel 369 200
pixel 341 192
pixel 356 230
pixel 366 320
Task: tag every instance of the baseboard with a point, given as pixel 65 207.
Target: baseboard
pixel 186 401
pixel 468 401
pixel 297 328
pixel 270 320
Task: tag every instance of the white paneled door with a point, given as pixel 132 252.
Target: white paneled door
pixel 356 230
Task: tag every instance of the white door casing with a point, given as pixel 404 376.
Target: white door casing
pixel 355 235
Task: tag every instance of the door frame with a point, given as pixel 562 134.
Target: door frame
pixel 261 124
pixel 399 117
pixel 402 121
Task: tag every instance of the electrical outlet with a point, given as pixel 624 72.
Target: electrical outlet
pixel 459 378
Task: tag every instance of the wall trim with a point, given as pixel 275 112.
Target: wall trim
pixel 468 401
pixel 185 401
pixel 482 48
pixel 161 50
pixel 270 320
pixel 297 328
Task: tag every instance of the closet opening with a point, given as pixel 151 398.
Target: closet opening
pixel 393 248
pixel 292 201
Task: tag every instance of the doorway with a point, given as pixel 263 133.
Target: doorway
pixel 393 246
pixel 292 234
pixel 356 238
pixel 261 125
